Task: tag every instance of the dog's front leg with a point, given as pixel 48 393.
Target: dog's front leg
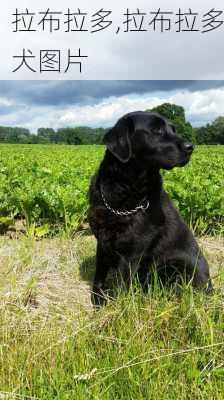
pixel 102 268
pixel 128 269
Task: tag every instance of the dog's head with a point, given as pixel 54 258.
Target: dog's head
pixel 149 138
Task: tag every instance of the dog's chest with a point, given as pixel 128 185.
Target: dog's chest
pixel 133 234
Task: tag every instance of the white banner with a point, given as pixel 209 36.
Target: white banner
pixel 134 40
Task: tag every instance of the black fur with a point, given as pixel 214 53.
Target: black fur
pixel 139 145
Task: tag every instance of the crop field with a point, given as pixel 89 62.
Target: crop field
pixel 163 344
pixel 46 187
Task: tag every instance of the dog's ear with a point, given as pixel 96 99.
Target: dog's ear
pixel 118 141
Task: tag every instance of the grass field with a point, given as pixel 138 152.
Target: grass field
pixel 46 187
pixel 164 344
pixel 53 345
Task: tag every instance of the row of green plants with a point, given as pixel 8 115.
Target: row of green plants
pixel 46 186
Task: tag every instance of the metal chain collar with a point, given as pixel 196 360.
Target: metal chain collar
pixel 118 212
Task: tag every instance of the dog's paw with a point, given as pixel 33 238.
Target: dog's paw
pixel 98 297
pixel 209 288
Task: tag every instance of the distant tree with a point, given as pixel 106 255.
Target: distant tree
pixel 47 133
pixel 217 130
pixel 2 134
pixel 170 111
pixel 99 134
pixel 211 133
pixel 68 136
pixel 80 135
pixel 71 135
pixel 13 134
pixel 23 139
pixel 203 134
pixel 42 140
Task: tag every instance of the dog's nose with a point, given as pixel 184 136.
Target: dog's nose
pixel 188 147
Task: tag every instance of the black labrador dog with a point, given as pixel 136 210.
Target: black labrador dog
pixel 132 217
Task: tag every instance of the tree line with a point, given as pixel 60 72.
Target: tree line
pixel 77 135
pixel 212 133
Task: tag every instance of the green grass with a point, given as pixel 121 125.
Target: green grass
pixel 160 345
pixel 165 344
pixel 45 187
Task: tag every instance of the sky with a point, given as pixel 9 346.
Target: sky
pixel 186 62
pixel 57 104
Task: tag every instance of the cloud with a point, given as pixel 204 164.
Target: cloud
pixel 107 111
pixel 59 93
pixel 201 106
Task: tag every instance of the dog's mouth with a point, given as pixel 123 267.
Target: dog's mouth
pixel 184 160
pixel 180 163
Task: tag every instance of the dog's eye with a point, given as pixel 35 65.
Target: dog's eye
pixel 173 128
